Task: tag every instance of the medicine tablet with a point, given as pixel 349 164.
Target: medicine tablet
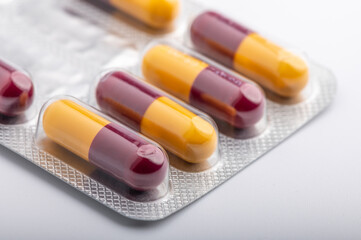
pixel 206 87
pixel 238 47
pixel 109 146
pixel 155 13
pixel 147 110
pixel 16 90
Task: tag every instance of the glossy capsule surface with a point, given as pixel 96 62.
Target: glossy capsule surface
pixel 109 146
pixel 206 87
pixel 16 90
pixel 154 13
pixel 238 47
pixel 147 110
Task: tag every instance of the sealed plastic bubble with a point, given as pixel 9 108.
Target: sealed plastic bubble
pixel 190 135
pixel 110 146
pixel 66 44
pixel 16 93
pixel 159 14
pixel 235 101
pixel 240 48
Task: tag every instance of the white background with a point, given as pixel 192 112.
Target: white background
pixel 309 187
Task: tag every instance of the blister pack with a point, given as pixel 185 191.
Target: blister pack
pixel 147 106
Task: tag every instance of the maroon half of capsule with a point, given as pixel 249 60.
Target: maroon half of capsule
pixel 227 98
pixel 16 91
pixel 124 97
pixel 208 33
pixel 126 156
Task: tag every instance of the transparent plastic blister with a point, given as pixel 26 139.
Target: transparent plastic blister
pixel 280 71
pixel 134 166
pixel 236 103
pixel 64 45
pixel 189 135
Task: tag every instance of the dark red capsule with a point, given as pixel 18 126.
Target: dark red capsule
pixel 210 33
pixel 227 98
pixel 16 90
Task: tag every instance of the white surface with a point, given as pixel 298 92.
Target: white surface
pixel 306 188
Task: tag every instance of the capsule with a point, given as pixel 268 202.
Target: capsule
pixel 147 110
pixel 109 146
pixel 206 87
pixel 158 14
pixel 16 90
pixel 238 47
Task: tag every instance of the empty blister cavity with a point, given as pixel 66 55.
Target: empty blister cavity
pixel 136 163
pixel 188 135
pixel 236 103
pixel 16 94
pixel 275 68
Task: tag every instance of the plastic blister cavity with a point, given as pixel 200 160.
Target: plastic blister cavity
pixel 16 94
pixel 111 147
pixel 235 102
pixel 275 68
pixel 185 132
pixel 158 14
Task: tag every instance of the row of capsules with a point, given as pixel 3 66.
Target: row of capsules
pixel 164 108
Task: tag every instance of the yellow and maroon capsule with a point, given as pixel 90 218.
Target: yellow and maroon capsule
pixel 155 13
pixel 109 146
pixel 238 47
pixel 206 87
pixel 147 110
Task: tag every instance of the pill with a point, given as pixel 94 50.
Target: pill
pixel 109 146
pixel 16 90
pixel 155 13
pixel 206 87
pixel 147 110
pixel 238 47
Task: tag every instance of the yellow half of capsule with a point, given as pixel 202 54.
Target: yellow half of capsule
pixel 72 126
pixel 155 13
pixel 271 66
pixel 171 70
pixel 179 130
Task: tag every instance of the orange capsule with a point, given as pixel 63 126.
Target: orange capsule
pixel 155 13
